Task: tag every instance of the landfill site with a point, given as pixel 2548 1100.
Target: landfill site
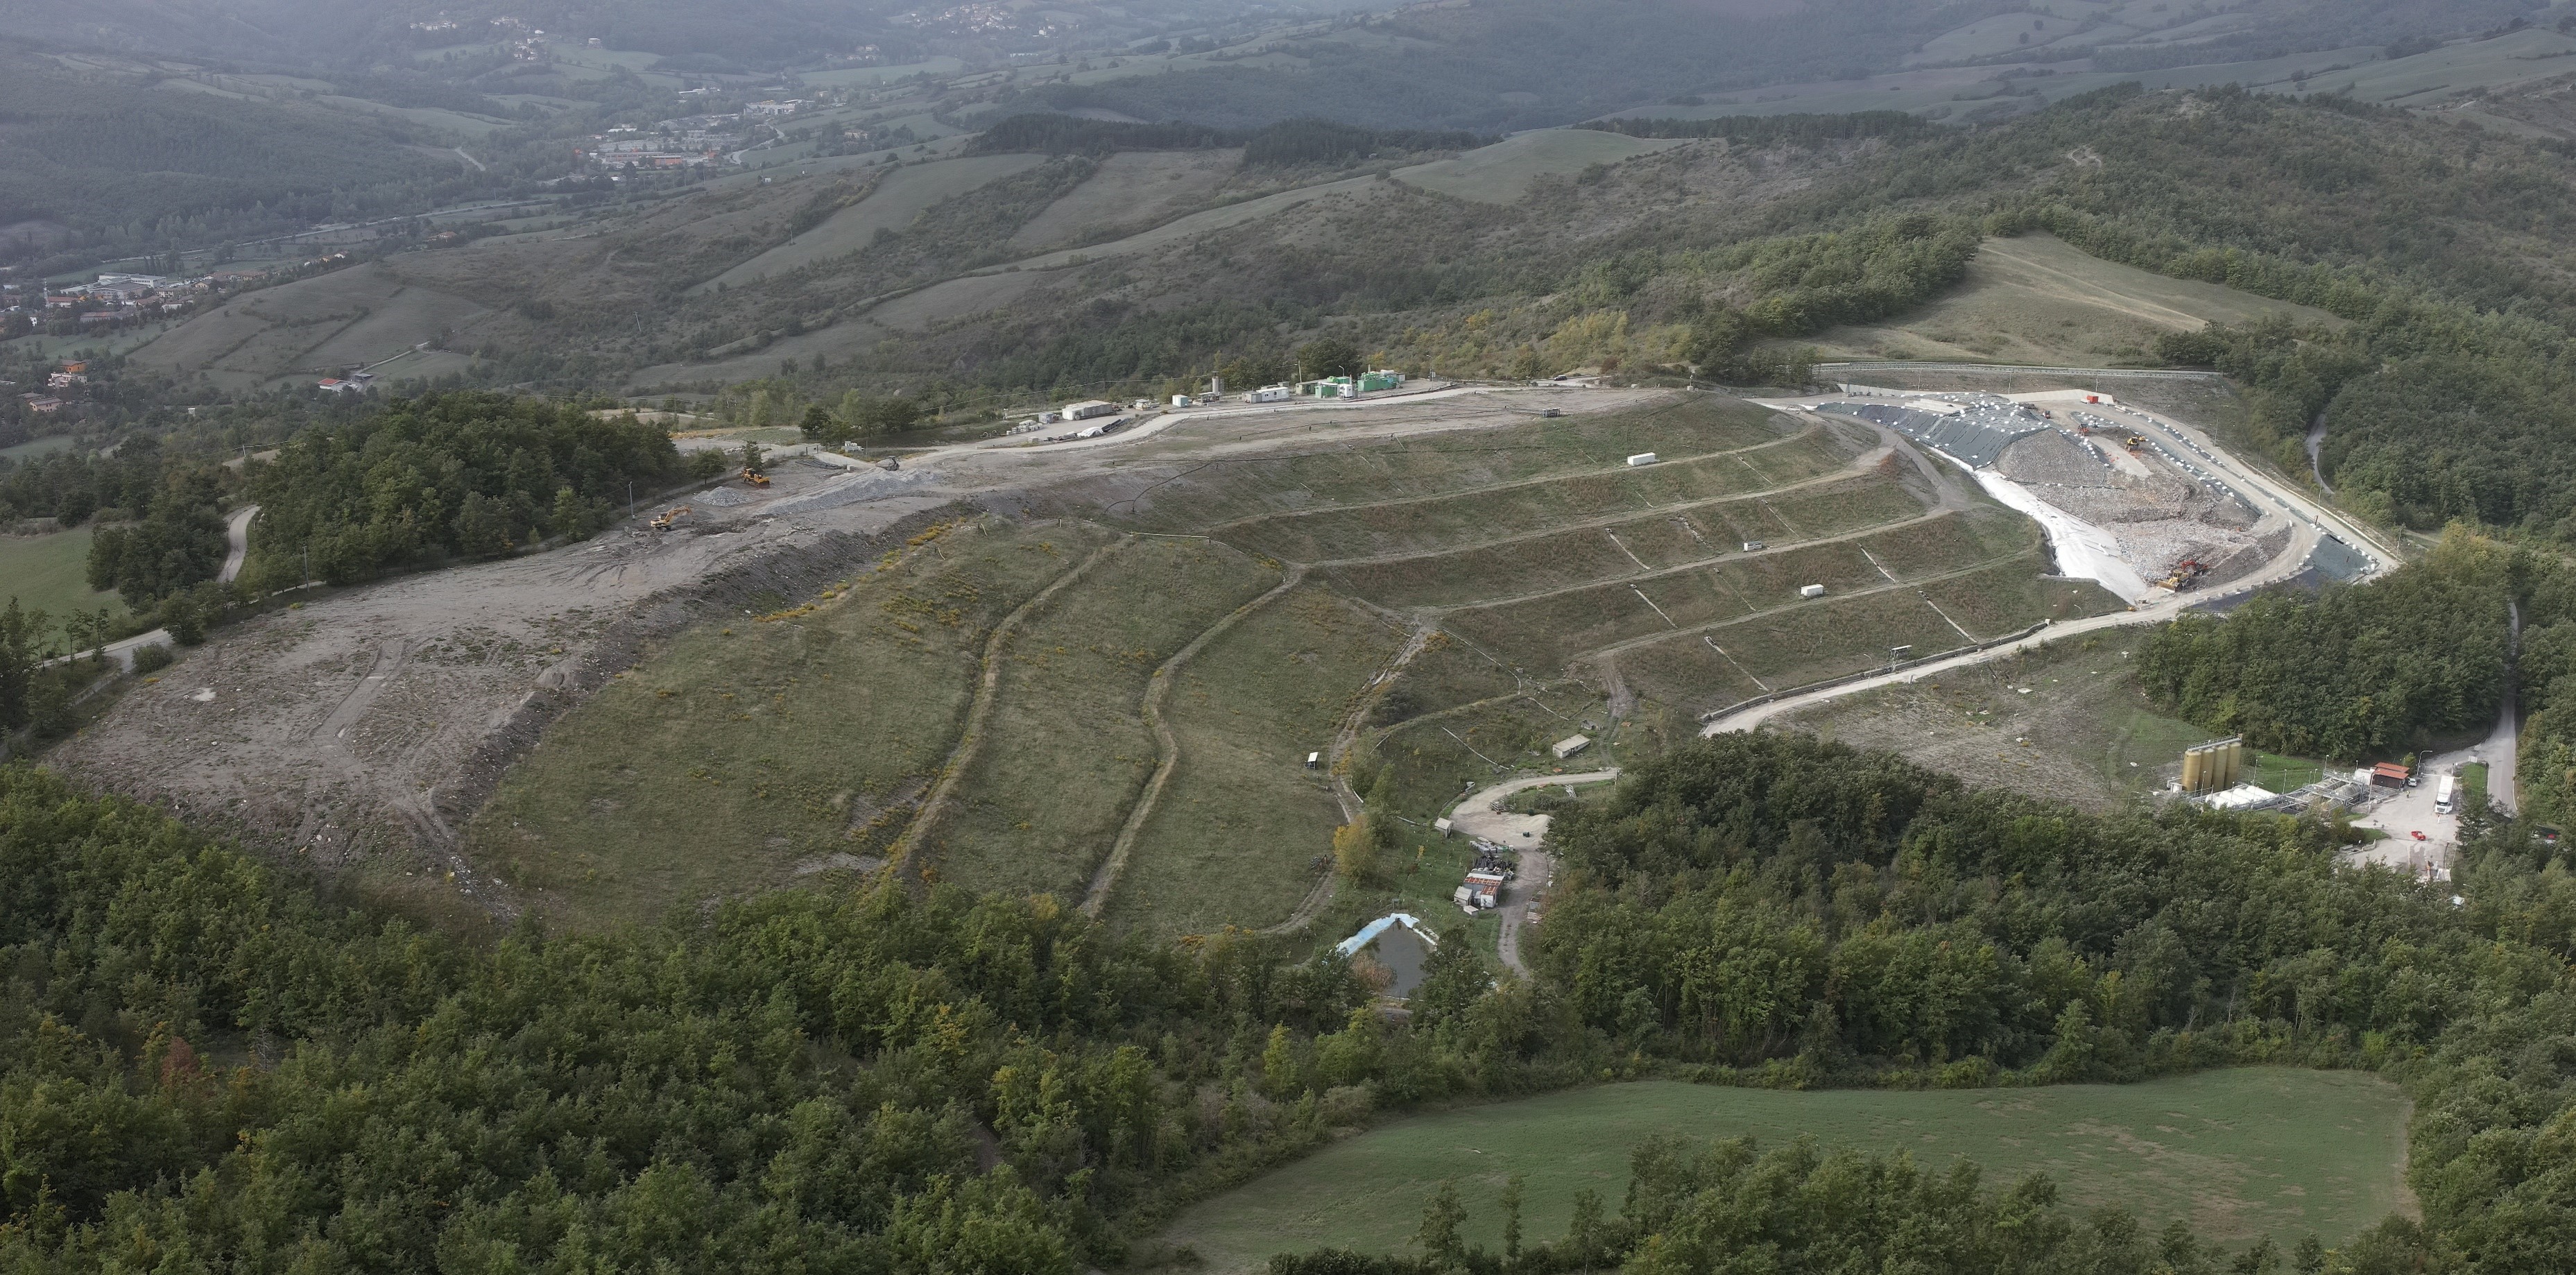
pixel 2141 514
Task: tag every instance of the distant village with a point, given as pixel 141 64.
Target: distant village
pixel 115 298
pixel 691 141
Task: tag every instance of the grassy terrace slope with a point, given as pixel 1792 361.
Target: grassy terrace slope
pixel 2238 1154
pixel 1068 749
pixel 1115 704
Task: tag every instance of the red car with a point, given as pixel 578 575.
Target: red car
pixel 2419 836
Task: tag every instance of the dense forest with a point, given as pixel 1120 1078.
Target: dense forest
pixel 2361 672
pixel 200 1056
pixel 446 475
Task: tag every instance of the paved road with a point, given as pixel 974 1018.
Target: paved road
pixel 1482 815
pixel 2292 559
pixel 121 652
pixel 236 542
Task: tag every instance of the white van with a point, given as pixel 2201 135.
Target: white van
pixel 2442 794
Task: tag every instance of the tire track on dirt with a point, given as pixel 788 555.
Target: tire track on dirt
pixel 971 741
pixel 1158 689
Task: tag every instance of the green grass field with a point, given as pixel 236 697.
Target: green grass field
pixel 1502 173
pixel 50 573
pixel 2239 1154
pixel 34 447
pixel 359 315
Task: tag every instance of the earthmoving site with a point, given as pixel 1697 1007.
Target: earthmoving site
pixel 1099 669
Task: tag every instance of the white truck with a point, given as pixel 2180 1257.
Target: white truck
pixel 2443 793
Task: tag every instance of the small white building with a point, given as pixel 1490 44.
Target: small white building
pixel 1271 394
pixel 1086 410
pixel 1641 458
pixel 1812 591
pixel 1570 745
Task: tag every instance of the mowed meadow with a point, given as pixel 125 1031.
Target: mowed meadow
pixel 2237 1154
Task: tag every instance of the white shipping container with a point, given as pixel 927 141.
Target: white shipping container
pixel 1812 591
pixel 1642 458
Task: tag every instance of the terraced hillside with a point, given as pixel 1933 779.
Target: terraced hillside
pixel 1114 697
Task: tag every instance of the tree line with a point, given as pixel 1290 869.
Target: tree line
pixel 463 474
pixel 2366 671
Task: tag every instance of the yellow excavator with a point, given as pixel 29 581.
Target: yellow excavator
pixel 664 522
pixel 2185 574
pixel 755 477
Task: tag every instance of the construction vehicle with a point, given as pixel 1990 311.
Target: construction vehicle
pixel 755 477
pixel 2183 576
pixel 2137 442
pixel 664 522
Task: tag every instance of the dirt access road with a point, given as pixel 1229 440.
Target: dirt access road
pixel 364 727
pixel 1482 815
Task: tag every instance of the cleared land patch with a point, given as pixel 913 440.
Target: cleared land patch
pixel 1196 494
pixel 2238 1154
pixel 2036 299
pixel 1502 173
pixel 2085 732
pixel 739 754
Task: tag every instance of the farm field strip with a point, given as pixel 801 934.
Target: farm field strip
pixel 2239 1154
